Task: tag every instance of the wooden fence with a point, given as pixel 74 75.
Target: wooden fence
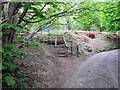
pixel 70 48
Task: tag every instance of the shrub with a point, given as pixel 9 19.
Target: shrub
pixel 11 70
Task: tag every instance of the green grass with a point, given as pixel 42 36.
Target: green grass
pixel 56 32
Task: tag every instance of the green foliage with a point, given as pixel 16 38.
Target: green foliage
pixel 23 78
pixel 10 80
pixel 57 32
pixel 1 49
pixel 10 26
pixel 33 43
pixel 9 66
pixel 102 16
pixel 1 33
pixel 98 15
pixel 18 38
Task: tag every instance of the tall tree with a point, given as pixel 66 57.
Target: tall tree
pixel 12 18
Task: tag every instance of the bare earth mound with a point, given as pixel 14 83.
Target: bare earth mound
pixel 92 41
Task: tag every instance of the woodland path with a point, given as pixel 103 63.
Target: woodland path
pixel 98 71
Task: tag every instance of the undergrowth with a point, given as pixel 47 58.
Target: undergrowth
pixel 12 74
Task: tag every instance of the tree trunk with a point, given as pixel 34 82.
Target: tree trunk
pixel 1 7
pixel 8 34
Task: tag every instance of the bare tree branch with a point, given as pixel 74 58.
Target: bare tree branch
pixel 32 16
pixel 39 28
pixel 23 14
pixel 43 7
pixel 55 15
pixel 47 24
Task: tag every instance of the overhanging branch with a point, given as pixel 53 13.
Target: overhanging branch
pixel 39 28
pixel 55 15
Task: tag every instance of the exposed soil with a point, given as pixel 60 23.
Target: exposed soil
pixel 98 71
pixel 48 70
pixel 93 41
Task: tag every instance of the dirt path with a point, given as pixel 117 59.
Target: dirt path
pixel 99 71
pixel 50 71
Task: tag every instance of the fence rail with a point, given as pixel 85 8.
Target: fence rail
pixel 70 48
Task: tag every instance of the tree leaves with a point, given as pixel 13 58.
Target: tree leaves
pixel 10 26
pixel 8 66
pixel 100 14
pixel 10 80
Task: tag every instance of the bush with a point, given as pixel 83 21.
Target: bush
pixel 12 72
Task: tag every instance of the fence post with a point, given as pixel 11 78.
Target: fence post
pixel 67 51
pixel 78 50
pixel 56 42
pixel 71 48
pixel 48 37
pixel 42 39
